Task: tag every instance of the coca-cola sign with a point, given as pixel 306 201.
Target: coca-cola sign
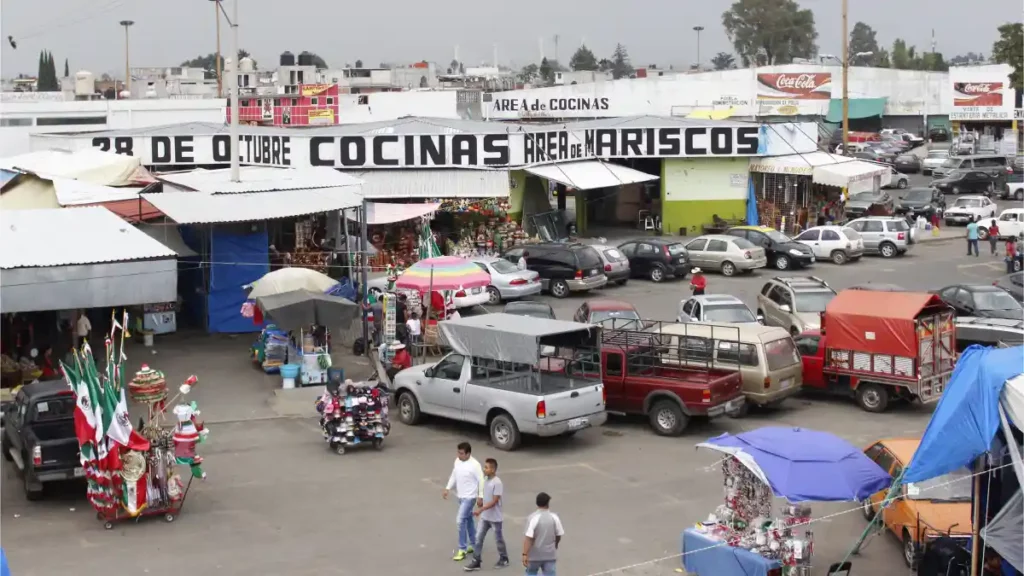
pixel 795 85
pixel 977 94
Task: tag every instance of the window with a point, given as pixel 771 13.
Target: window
pixel 314 101
pixel 676 249
pixel 695 349
pixel 742 243
pixel 645 249
pixel 613 365
pixel 765 289
pixel 1008 217
pixel 697 245
pixel 70 120
pixel 614 255
pixel 503 267
pixel 697 310
pixel 830 236
pixel 872 226
pixel 952 487
pixel 737 353
pixel 857 226
pixel 15 121
pixel 778 294
pixel 629 249
pixel 588 258
pixel 963 298
pixel 277 101
pixel 295 101
pixel 738 232
pixel 330 100
pixel 808 345
pixel 873 452
pixel 450 368
pixel 717 246
pixel 813 302
pixel 948 293
pixel 514 254
pixel 729 314
pixel 851 234
pixel 996 300
pixel 809 236
pixel 688 307
pixel 781 353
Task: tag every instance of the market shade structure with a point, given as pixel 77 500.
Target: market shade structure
pixel 824 168
pixel 804 465
pixel 590 174
pixel 854 318
pixel 858 108
pixel 443 273
pixel 301 308
pixel 291 279
pixel 513 338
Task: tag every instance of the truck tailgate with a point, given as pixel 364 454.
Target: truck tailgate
pixel 725 386
pixel 570 404
pixel 57 443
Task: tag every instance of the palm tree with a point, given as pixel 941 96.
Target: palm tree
pixel 723 61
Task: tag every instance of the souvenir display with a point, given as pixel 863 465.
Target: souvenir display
pixel 148 386
pixel 352 414
pixel 270 350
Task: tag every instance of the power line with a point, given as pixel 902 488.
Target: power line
pixel 62 23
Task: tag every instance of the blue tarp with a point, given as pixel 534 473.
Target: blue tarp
pixel 751 203
pixel 235 261
pixel 705 556
pixel 6 176
pixel 967 417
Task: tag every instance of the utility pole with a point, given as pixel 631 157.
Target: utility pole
pixel 220 79
pixel 846 80
pixel 698 30
pixel 127 66
pixel 556 47
pixel 233 82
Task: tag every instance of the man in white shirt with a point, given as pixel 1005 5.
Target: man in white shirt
pixel 82 328
pixel 468 481
pixel 412 325
pixel 543 535
pixel 521 264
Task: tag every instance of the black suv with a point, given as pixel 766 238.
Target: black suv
pixel 656 258
pixel 563 268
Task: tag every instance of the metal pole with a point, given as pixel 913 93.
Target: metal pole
pixel 430 301
pixel 976 550
pixel 698 29
pixel 220 78
pixel 233 82
pixel 127 49
pixel 846 74
pixel 365 265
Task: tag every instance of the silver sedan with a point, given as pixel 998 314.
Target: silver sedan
pixel 728 254
pixel 507 281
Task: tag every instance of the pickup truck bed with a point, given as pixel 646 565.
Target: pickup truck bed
pixel 39 436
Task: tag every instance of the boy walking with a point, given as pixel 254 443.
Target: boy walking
pixel 468 481
pixel 490 517
pixel 543 535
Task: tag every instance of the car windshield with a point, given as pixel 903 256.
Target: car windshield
pixel 813 301
pixel 781 353
pixel 676 249
pixel 952 487
pixel 588 258
pixel 776 236
pixel 614 318
pixel 967 203
pixel 907 158
pixel 743 243
pixel 918 196
pixel 614 255
pixel 851 233
pixel 728 314
pixel 504 267
pixel 951 163
pixel 864 197
pixel 995 300
pixel 938 154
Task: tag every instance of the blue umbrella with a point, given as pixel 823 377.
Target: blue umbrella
pixel 804 465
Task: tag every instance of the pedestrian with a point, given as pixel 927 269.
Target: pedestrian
pixel 521 263
pixel 543 535
pixel 972 237
pixel 1011 253
pixel 490 517
pixel 993 236
pixel 698 283
pixel 82 328
pixel 413 327
pixel 400 361
pixel 468 481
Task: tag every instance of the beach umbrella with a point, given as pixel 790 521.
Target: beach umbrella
pixel 300 308
pixel 443 273
pixel 290 279
pixel 804 465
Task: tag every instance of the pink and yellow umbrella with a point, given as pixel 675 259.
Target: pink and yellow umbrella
pixel 443 273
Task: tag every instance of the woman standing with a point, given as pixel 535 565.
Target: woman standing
pixel 993 236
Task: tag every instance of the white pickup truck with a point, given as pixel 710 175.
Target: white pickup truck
pixel 498 376
pixel 1013 190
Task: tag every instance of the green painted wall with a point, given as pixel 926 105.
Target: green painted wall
pixel 693 190
pixel 517 186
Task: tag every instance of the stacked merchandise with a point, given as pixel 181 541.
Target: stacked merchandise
pixel 271 349
pixel 352 414
pixel 745 520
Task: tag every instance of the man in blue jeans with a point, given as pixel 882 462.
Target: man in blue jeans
pixel 468 481
pixel 972 237
pixel 543 535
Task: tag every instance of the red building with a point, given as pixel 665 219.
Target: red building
pixel 312 105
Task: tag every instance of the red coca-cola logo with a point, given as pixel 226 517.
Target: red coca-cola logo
pixel 798 82
pixel 980 88
pixel 803 85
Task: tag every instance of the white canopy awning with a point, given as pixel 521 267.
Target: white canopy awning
pixel 590 174
pixel 827 169
pixel 439 183
pixel 205 208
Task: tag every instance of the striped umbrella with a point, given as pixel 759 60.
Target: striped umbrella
pixel 443 273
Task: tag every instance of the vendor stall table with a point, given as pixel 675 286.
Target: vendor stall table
pixel 706 556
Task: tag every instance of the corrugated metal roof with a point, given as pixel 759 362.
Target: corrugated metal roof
pixel 77 192
pixel 72 236
pixel 259 179
pixel 636 122
pixel 205 208
pixel 89 164
pixel 181 129
pixel 590 174
pixel 168 235
pixel 444 183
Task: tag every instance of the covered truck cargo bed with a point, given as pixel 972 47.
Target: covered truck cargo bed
pixel 879 322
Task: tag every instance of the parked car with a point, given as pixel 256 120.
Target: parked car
pixel 725 253
pixel 967 181
pixel 656 258
pixel 507 281
pixel 884 235
pixel 716 309
pixel 925 510
pixel 972 330
pixel 467 298
pixel 982 300
pixel 835 243
pixel 968 208
pixel 782 251
pixel 1013 284
pixel 616 265
pixel 39 436
pixel 876 154
pixel 921 202
pixel 933 160
pixel 1014 187
pixel 938 134
pixel 794 302
pixel 563 268
pixel 992 164
pixel 1011 223
pixel 607 313
pixel 908 164
pixel 863 203
pixel 530 308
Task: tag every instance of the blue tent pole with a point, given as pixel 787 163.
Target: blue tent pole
pixel 752 218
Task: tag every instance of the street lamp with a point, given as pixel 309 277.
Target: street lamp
pixel 698 30
pixel 127 69
pixel 216 14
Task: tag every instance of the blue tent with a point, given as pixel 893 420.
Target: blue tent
pixel 751 203
pixel 967 417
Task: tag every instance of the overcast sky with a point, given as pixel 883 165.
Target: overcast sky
pixel 403 31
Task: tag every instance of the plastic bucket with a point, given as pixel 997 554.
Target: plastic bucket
pixel 290 371
pixel 288 383
pixel 147 339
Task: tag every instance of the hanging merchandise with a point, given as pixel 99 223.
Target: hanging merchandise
pixel 353 414
pixel 427 247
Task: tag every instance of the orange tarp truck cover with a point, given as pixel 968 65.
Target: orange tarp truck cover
pixel 877 322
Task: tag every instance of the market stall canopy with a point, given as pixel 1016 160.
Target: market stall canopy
pixel 858 108
pixel 259 179
pixel 205 208
pixel 1004 533
pixel 827 169
pixel 389 213
pixel 298 309
pixel 590 174
pixel 87 257
pixel 443 273
pixel 878 322
pixel 513 338
pixel 88 165
pixel 439 183
pixel 966 420
pixel 804 465
pixel 291 279
pixel 168 235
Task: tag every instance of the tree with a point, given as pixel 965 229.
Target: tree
pixel 462 68
pixel 359 64
pixel 67 71
pixel 932 61
pixel 583 59
pixel 547 73
pixel 209 63
pixel 1009 49
pixel 902 56
pixel 621 68
pixel 528 74
pixel 882 59
pixel 779 28
pixel 453 66
pixel 604 65
pixel 862 39
pixel 46 78
pixel 968 59
pixel 723 61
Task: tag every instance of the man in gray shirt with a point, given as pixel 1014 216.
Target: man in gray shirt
pixel 490 516
pixel 543 534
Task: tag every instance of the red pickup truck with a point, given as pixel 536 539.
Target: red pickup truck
pixel 877 346
pixel 657 371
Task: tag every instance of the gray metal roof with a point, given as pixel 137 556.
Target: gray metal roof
pixel 510 337
pixel 634 122
pixel 442 183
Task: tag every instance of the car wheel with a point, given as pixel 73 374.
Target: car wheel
pixel 782 262
pixel 872 397
pixel 867 509
pixel 887 250
pixel 982 233
pixel 621 282
pixel 5 445
pixel 505 434
pixel 839 257
pixel 559 289
pixel 728 268
pixel 667 418
pixel 409 409
pixel 1019 194
pixel 30 494
pixel 1016 265
pixel 909 550
pixel 657 274
pixel 793 331
pixel 493 296
pixel 902 183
